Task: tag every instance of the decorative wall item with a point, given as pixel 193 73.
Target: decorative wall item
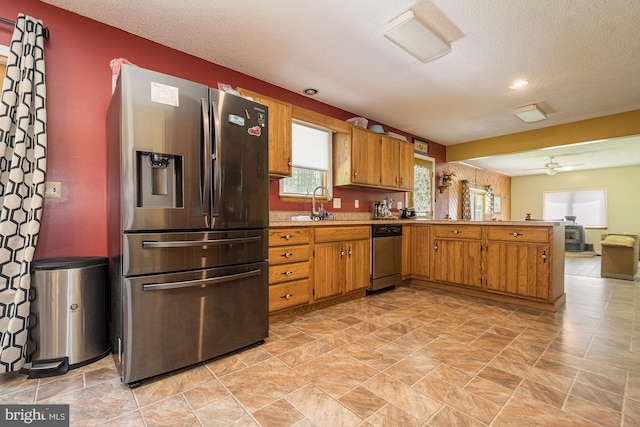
pixel 466 200
pixel 489 198
pixel 420 147
pixel 497 204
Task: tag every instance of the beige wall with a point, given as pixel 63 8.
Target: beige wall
pixel 623 196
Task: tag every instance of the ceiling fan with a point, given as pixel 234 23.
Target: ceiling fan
pixel 552 167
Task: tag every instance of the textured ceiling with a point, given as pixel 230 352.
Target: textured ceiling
pixel 581 57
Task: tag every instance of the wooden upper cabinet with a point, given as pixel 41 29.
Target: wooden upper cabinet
pixel 280 115
pixel 396 168
pixel 390 166
pixel 406 166
pixel 356 158
pixel 365 153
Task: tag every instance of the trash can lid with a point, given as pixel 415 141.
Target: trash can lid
pixel 67 263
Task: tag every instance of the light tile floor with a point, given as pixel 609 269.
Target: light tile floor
pixel 409 357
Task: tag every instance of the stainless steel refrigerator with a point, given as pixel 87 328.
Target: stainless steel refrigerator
pixel 188 209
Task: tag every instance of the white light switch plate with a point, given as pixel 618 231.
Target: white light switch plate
pixel 52 190
pixel 337 203
pixel 399 205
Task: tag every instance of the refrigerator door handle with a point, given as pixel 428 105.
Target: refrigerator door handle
pixel 217 170
pixel 205 163
pixel 147 244
pixel 200 282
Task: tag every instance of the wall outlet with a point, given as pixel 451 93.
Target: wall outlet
pixel 357 203
pixel 399 205
pixel 337 203
pixel 52 190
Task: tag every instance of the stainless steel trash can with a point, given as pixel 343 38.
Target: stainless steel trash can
pixel 69 324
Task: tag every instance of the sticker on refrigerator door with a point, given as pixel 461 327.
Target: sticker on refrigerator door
pixel 236 120
pixel 255 131
pixel 164 94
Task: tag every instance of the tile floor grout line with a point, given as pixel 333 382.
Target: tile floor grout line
pixel 624 399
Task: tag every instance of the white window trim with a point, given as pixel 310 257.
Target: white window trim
pixel 329 173
pixel 603 212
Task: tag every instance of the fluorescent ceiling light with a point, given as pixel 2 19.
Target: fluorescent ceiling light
pixel 410 34
pixel 529 114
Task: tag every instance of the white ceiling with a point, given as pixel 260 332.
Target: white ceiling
pixel 581 57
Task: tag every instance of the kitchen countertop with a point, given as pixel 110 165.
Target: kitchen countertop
pixel 331 222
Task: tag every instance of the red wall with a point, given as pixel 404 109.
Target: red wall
pixel 78 80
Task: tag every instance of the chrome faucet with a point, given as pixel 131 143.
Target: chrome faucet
pixel 314 214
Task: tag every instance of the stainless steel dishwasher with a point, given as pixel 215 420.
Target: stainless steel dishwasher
pixel 386 256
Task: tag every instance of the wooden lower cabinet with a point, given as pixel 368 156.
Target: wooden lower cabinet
pixel 289 268
pixel 458 262
pixel 328 269
pixel 420 251
pixel 342 260
pixel 517 263
pixel 291 294
pixel 406 251
pixel 525 262
pixel 457 255
pixel 358 265
pixel 518 269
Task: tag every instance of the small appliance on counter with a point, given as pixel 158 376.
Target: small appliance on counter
pixel 408 213
pixel 382 209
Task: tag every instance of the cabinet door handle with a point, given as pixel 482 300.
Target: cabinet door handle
pixel 355 173
pixel 287 296
pixel 289 163
pixel 514 234
pixel 287 255
pixel 544 257
pixel 350 252
pixel 341 253
pixel 287 273
pixel 287 236
pixel 435 247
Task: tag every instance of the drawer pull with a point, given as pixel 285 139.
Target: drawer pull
pixel 456 232
pixel 287 236
pixel 287 255
pixel 514 234
pixel 287 273
pixel 287 296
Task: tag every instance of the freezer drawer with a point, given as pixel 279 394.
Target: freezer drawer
pixel 175 320
pixel 148 253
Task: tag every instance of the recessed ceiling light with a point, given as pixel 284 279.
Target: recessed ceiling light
pixel 310 91
pixel 518 84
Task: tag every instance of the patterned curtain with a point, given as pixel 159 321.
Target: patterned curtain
pixel 489 197
pixel 23 146
pixel 466 200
